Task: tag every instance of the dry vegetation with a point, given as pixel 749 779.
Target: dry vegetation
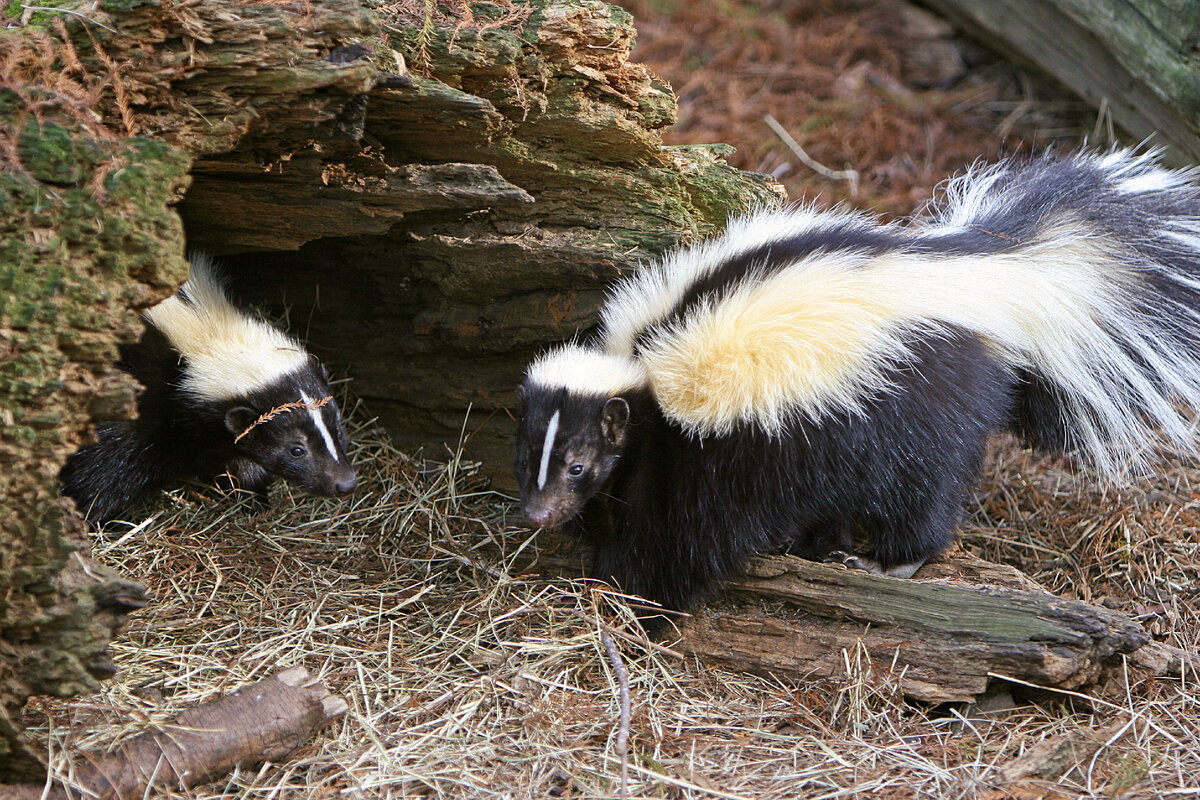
pixel 470 677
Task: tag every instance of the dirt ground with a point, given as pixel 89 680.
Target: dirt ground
pixel 879 88
pixel 468 677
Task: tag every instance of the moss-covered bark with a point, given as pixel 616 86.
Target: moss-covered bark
pixel 1134 58
pixel 88 237
pixel 85 236
pixel 450 225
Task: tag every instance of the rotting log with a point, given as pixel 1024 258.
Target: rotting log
pixel 85 236
pixel 434 229
pixel 264 721
pixel 947 635
pixel 944 636
pixel 544 180
pixel 1137 58
pixel 89 237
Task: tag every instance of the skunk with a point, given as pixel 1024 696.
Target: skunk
pixel 812 380
pixel 225 394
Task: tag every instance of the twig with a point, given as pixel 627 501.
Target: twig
pixel 265 721
pixel 639 639
pixel 850 175
pixel 83 17
pixel 277 410
pixel 622 745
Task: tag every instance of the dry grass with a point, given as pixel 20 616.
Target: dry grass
pixel 468 678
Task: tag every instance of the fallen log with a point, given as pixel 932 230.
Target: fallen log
pixel 947 635
pixel 264 721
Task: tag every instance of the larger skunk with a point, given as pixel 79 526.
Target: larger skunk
pixel 812 378
pixel 225 393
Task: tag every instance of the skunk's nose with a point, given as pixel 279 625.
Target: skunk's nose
pixel 346 485
pixel 540 517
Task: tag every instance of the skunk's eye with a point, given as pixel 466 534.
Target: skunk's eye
pixel 297 451
pixel 575 471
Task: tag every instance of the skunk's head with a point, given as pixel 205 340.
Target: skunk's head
pixel 574 425
pixel 273 396
pixel 293 430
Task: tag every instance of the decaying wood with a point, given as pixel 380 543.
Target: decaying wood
pixel 264 721
pixel 1056 756
pixel 945 635
pixel 1135 58
pixel 90 237
pixel 475 217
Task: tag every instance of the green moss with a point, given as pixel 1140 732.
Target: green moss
pixel 41 18
pixel 49 152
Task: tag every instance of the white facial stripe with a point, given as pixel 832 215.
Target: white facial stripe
pixel 320 423
pixel 547 446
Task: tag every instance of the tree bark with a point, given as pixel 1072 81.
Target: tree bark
pixel 950 634
pixel 947 636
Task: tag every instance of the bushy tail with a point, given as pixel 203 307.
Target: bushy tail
pixel 1082 274
pixel 120 470
pixel 1114 369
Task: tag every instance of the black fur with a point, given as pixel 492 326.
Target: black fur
pixel 677 515
pixel 176 438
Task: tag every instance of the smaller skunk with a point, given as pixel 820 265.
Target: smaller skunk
pixel 813 380
pixel 225 394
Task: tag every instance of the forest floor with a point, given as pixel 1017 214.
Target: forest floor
pixel 469 677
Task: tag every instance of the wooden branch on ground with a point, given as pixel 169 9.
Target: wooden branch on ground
pixel 264 721
pixel 946 635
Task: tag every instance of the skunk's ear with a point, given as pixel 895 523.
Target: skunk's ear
pixel 240 419
pixel 614 421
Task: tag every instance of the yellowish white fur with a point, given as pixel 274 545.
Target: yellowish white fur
pixel 816 337
pixel 228 352
pixel 646 297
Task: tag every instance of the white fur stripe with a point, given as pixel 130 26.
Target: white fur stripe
pixel 227 352
pixel 547 446
pixel 586 371
pixel 320 423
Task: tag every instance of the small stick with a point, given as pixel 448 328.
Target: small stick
pixel 850 175
pixel 277 410
pixel 83 17
pixel 622 745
